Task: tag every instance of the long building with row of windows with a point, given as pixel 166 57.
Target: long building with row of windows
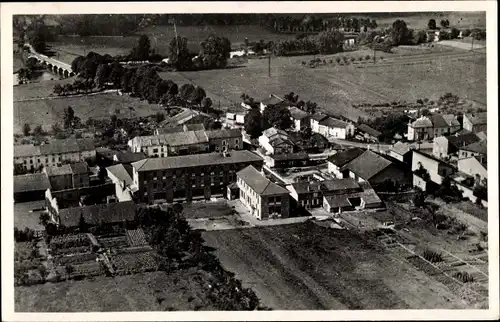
pixel 190 176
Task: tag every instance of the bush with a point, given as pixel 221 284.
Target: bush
pixel 353 59
pixel 360 58
pixel 367 57
pixel 338 59
pixel 432 256
pixel 464 277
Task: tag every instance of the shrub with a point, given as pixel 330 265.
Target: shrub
pixel 353 59
pixel 367 57
pixel 360 58
pixel 465 277
pixel 484 236
pixel 432 256
pixel 338 59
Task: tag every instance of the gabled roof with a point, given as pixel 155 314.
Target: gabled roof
pixel 275 141
pixel 333 123
pixel 482 135
pixel 478 118
pixel 129 156
pixel 368 164
pixel 438 120
pixel 369 130
pixel 325 186
pixel 31 182
pixel 291 156
pixel 343 157
pixel 272 131
pixel 64 169
pixel 79 168
pixel 319 138
pixel 67 146
pixel 195 160
pixel 319 117
pixel 195 127
pixel 271 100
pixel 297 113
pixel 223 134
pixel 122 172
pixel 478 147
pixel 258 183
pixel 401 148
pixel 462 140
pixel 95 214
pixel 26 150
pixel 451 120
pixel 422 122
pixel 166 129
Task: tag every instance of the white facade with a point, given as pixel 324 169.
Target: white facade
pixel 35 161
pixel 472 167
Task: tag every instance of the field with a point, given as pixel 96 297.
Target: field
pixel 400 76
pixel 24 218
pixel 304 266
pixel 39 89
pixel 49 111
pixel 460 20
pixel 143 292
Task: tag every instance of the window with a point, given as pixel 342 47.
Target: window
pixel 237 141
pixel 278 199
pixel 155 185
pixel 223 142
pixel 24 161
pixel 31 161
pixel 155 150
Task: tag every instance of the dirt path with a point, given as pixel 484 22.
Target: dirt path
pixel 68 96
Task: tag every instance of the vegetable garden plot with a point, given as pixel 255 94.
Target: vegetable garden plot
pixel 69 241
pixel 87 269
pixel 113 242
pixel 134 263
pixel 136 237
pixel 74 260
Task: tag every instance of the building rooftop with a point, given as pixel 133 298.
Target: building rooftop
pixel 26 150
pixel 186 161
pixel 95 214
pixel 482 135
pixel 129 156
pixel 195 127
pixel 343 157
pixel 438 120
pixel 275 141
pixel 272 131
pixel 451 120
pixel 369 130
pixel 291 156
pixel 422 122
pixel 368 164
pixel 326 186
pixel 297 113
pixel 461 140
pixel 167 129
pixel 31 182
pixel 337 201
pixel 79 168
pixel 319 116
pixel 62 170
pixel 67 146
pixel 259 183
pixel 401 148
pixel 122 172
pixel 333 123
pixel 271 100
pixel 223 133
pixel 478 147
pixel 478 118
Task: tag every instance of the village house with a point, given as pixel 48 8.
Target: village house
pixel 401 151
pixel 366 199
pixel 272 100
pixel 189 176
pixel 434 125
pixel 128 157
pixel 264 198
pixel 369 133
pixel 276 141
pixel 315 119
pixel 30 187
pixel 333 128
pixel 309 194
pixel 33 157
pixel 436 168
pixel 475 166
pixel 190 142
pixel 472 173
pixel 475 122
pixel 187 116
pixel 444 146
pixel 340 159
pixel 300 118
pixel 376 169
pixel 315 144
pixel 479 148
pixel 68 176
pixel 193 127
pixel 288 160
pixel 121 176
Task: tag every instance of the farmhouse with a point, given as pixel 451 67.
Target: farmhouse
pixel 436 168
pixel 444 146
pixel 68 176
pixel 310 194
pixel 478 148
pixel 340 159
pixel 402 151
pixel 52 154
pixel 428 127
pixel 300 118
pixel 30 187
pixel 375 169
pixel 365 199
pixel 475 122
pixel 276 141
pixel 331 127
pixel 369 133
pixel 315 119
pixel 189 176
pixel 263 197
pixel 190 142
pixel 288 160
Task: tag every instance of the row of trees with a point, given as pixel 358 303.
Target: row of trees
pixel 312 23
pixel 388 125
pixel 327 42
pixel 445 23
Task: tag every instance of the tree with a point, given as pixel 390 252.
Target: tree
pixel 432 24
pixel 310 107
pixel 186 91
pixel 400 34
pixel 101 75
pixel 330 42
pixel 179 54
pixel 292 97
pixel 69 117
pixel 279 117
pixel 26 129
pixel 58 89
pixel 210 124
pixel 445 23
pixel 215 51
pixel 38 130
pixel 142 50
pixel 206 103
pixel 44 219
pixel 69 270
pixel 253 123
pixel 454 33
pixel 373 24
pixel 88 69
pixel 306 132
pixel 197 95
pixel 116 74
pixel 77 64
pixel 31 63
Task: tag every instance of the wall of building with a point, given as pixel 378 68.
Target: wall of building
pixel 437 170
pixel 472 167
pixel 34 162
pixel 394 173
pixel 440 147
pixel 74 194
pixel 61 182
pixel 234 143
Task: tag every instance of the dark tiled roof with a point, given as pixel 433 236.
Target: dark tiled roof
pixel 438 120
pixel 275 141
pixel 478 147
pixel 319 138
pixel 129 156
pixel 104 213
pixel 195 127
pixel 67 146
pixel 64 169
pixel 31 182
pixel 369 130
pixel 122 173
pixel 326 186
pixel 478 118
pixel 401 148
pixel 79 168
pixel 173 129
pixel 319 117
pixel 337 201
pixel 463 139
pixel 291 156
pixel 297 113
pixel 260 184
pixel 344 157
pixel 368 164
pixel 223 134
pixel 186 161
pixel 333 123
pixel 26 150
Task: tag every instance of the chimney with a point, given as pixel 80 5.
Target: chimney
pixel 308 188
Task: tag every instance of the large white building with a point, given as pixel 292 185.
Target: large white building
pixel 33 157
